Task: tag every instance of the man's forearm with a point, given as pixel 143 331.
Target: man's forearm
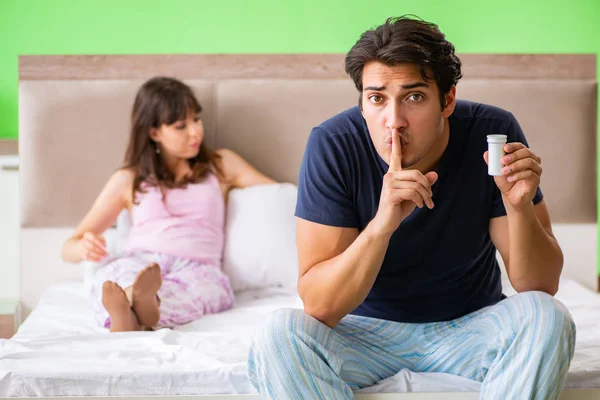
pixel 333 288
pixel 535 260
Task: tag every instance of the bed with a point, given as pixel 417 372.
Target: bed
pixel 73 118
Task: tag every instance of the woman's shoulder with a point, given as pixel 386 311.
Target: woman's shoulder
pixel 124 177
pixel 228 161
pixel 238 171
pixel 226 154
pixel 122 183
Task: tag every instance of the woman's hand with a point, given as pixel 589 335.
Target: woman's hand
pixel 92 247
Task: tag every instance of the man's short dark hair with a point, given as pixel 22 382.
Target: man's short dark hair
pixel 406 40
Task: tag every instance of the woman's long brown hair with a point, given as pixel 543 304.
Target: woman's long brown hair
pixel 161 101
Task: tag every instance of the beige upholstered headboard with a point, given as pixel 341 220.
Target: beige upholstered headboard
pixel 74 110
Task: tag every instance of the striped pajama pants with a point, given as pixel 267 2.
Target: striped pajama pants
pixel 519 348
pixel 190 288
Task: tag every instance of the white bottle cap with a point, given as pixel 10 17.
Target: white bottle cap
pixel 495 153
pixel 496 139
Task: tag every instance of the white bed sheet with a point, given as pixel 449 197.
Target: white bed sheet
pixel 61 351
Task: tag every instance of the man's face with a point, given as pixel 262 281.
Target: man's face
pixel 397 98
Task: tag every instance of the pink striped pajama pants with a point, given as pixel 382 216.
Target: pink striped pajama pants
pixel 190 288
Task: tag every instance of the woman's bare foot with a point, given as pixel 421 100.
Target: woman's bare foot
pixel 143 293
pixel 122 317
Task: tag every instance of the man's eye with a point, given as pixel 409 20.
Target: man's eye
pixel 375 98
pixel 416 97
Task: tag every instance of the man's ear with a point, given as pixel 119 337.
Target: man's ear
pixel 450 100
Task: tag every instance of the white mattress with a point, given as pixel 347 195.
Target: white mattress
pixel 60 351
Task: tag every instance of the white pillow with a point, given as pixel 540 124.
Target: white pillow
pixel 260 237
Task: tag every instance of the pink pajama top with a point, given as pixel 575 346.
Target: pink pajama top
pixel 190 223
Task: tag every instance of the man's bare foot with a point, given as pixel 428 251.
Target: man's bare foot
pixel 143 293
pixel 122 317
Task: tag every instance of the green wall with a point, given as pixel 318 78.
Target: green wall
pixel 271 26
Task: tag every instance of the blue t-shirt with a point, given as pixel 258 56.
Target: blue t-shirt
pixel 441 263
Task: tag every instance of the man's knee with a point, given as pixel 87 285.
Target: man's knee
pixel 282 324
pixel 276 334
pixel 543 311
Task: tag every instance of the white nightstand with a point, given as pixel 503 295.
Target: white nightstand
pixel 9 317
pixel 9 225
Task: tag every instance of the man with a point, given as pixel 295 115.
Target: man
pixel 398 226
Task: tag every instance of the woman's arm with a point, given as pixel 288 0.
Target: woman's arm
pixel 87 242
